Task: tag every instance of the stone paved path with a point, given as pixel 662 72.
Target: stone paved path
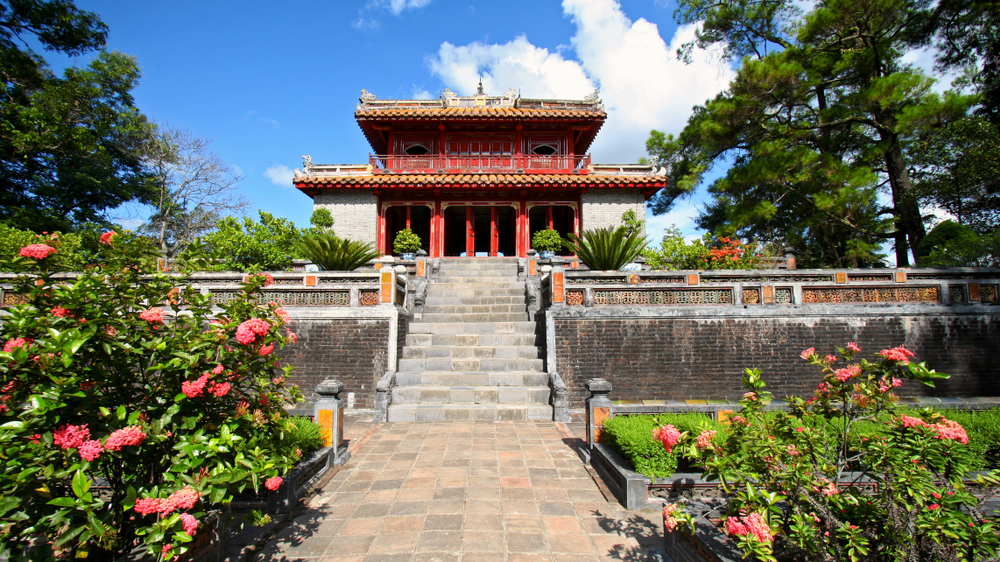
pixel 469 492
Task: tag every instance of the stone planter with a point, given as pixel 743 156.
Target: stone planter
pixel 209 544
pixel 707 544
pixel 303 477
pixel 636 491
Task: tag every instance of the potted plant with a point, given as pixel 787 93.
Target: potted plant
pixel 406 244
pixel 547 242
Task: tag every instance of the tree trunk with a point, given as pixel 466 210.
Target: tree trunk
pixel 909 224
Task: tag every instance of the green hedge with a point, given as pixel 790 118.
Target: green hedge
pixel 632 437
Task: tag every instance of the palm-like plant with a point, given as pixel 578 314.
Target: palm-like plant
pixel 607 249
pixel 332 253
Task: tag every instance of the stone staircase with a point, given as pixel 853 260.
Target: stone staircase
pixel 472 353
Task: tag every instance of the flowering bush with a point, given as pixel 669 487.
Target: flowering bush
pixel 805 484
pixel 128 408
pixel 711 252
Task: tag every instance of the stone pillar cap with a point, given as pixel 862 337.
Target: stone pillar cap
pixel 598 386
pixel 330 387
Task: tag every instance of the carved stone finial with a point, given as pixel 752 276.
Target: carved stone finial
pixel 448 94
pixel 366 95
pixel 510 93
pixel 479 90
pixel 307 162
pixel 594 96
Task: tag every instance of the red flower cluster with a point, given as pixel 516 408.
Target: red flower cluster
pixel 268 278
pixel 37 251
pixel 125 437
pixel 60 312
pixel 71 436
pixel 248 331
pixel 90 450
pixel 900 354
pixel 283 315
pixel 183 499
pixel 190 523
pixel 108 236
pixel 266 350
pixel 273 483
pixel 847 372
pixel 705 438
pixel 752 524
pixel 669 521
pixel 945 429
pixel 16 343
pixel 152 315
pixel 195 387
pixel 668 435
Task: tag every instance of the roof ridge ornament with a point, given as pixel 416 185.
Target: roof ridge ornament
pixel 479 90
pixel 594 96
pixel 307 163
pixel 366 96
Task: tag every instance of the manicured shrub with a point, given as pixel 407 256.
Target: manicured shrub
pixel 249 245
pixel 125 381
pixel 406 242
pixel 303 435
pixel 632 437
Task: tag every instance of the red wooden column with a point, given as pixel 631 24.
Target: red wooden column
pixel 470 231
pixel 380 234
pixel 435 249
pixel 523 236
pixel 494 233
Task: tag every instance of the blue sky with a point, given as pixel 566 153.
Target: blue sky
pixel 268 82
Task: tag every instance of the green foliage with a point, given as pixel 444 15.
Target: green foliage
pixel 173 397
pixel 547 240
pixel 302 435
pixel 321 218
pixel 406 242
pixel 983 427
pixel 331 253
pixel 710 252
pixel 632 222
pixel 251 245
pixel 793 471
pixel 606 249
pixel 632 437
pixel 968 39
pixel 76 251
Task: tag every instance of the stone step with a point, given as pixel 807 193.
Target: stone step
pixel 464 351
pixel 473 308
pixel 471 340
pixel 443 286
pixel 437 292
pixel 473 300
pixel 474 277
pixel 426 327
pixel 475 317
pixel 479 412
pixel 439 394
pixel 419 364
pixel 473 378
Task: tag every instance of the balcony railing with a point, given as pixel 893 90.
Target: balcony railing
pixel 486 163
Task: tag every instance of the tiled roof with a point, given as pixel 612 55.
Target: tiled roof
pixel 476 113
pixel 480 181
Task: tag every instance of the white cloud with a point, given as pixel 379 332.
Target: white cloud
pixel 682 215
pixel 397 6
pixel 280 175
pixel 421 94
pixel 643 85
pixel 517 64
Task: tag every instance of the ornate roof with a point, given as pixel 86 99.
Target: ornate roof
pixel 648 184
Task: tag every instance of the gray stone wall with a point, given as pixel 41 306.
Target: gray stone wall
pixel 603 208
pixel 355 212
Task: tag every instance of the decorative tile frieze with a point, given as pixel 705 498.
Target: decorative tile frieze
pixel 663 297
pixel 368 298
pixel 783 295
pixel 828 295
pixel 574 297
pixel 751 295
pixel 957 293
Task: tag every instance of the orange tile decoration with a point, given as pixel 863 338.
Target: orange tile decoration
pixel 557 287
pixel 532 267
pixel 694 279
pixel 310 280
pixel 974 292
pixel 900 276
pixel 724 416
pixel 174 296
pixel 600 416
pixel 421 265
pixel 325 421
pixel 768 294
pixel 387 288
pixel 633 278
pixel 791 262
pixel 575 265
pixel 841 277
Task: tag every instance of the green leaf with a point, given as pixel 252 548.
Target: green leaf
pixel 63 502
pixel 81 484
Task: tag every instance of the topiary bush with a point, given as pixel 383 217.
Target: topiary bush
pixel 129 408
pixel 632 437
pixel 303 435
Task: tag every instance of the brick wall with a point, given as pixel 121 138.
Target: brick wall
pixel 679 356
pixel 355 212
pixel 602 208
pixel 351 350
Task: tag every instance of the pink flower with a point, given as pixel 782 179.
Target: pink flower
pixel 740 420
pixel 273 483
pixel 60 312
pixel 219 390
pixel 183 499
pixel 847 372
pixel 752 524
pixel 830 489
pixel 669 521
pixel 146 506
pixel 908 421
pixel 822 388
pixel 248 331
pixel 217 370
pixel 806 354
pixel 800 429
pixel 152 315
pixel 932 507
pixel 668 435
pixel 705 439
pixel 37 251
pixel 830 359
pixel 266 350
pixel 950 429
pixel 110 331
pixel 268 278
pixel 291 336
pixel 107 236
pixel 195 387
pixel 125 437
pixel 71 436
pixel 851 346
pixel 897 382
pixel 190 523
pixel 90 450
pixel 284 316
pixel 16 343
pixel 900 354
pixel 166 549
